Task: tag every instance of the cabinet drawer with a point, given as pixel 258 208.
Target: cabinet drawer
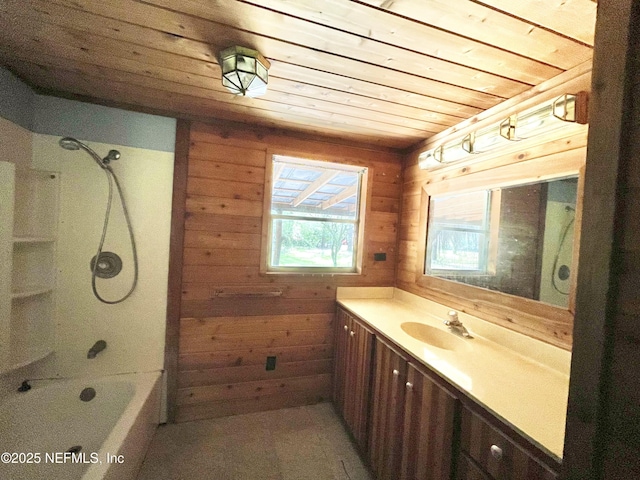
pixel 497 454
pixel 467 470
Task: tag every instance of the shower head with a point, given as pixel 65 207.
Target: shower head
pixel 69 143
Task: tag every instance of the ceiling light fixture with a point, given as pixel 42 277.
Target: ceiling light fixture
pixel 244 71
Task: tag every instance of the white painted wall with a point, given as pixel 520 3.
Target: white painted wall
pixel 134 330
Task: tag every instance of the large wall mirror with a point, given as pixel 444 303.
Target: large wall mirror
pixel 505 241
pixel 516 240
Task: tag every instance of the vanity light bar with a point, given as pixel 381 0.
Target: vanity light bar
pixel 540 119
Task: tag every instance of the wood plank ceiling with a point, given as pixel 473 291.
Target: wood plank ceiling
pixel 384 72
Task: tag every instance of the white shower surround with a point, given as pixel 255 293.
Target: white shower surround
pixel 135 329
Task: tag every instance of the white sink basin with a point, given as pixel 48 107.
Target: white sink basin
pixel 434 336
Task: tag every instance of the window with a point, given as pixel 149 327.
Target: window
pixel 314 216
pixel 462 233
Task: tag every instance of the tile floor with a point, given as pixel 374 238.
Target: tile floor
pixel 304 443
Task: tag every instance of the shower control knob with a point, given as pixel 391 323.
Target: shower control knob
pixel 563 272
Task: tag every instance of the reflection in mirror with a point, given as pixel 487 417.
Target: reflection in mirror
pixel 516 240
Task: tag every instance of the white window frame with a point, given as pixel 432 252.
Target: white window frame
pixel 489 248
pixel 267 220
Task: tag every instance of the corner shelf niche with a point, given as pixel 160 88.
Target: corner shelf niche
pixel 27 264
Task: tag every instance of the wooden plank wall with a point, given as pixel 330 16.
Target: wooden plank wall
pixel 224 342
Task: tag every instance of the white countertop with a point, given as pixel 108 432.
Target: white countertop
pixel 523 381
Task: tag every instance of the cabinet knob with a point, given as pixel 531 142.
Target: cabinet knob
pixel 352 333
pixel 396 373
pixel 409 386
pixel 345 328
pixel 496 452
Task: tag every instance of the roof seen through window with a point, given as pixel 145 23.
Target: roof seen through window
pixel 314 189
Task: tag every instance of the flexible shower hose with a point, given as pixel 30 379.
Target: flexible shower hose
pixel 555 261
pixel 111 176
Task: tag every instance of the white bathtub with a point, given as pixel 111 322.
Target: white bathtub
pixel 114 429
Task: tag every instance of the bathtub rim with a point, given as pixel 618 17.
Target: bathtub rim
pixel 145 384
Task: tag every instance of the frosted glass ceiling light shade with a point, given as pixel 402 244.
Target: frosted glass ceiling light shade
pixel 483 140
pixel 544 118
pixel 451 152
pixel 427 160
pixel 244 71
pixel 447 153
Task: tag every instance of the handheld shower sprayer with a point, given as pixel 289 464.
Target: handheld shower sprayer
pixel 69 143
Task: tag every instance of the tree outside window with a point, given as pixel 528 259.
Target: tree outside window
pixel 314 221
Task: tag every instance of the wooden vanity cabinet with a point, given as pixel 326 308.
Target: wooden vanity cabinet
pixel 431 415
pixel 352 374
pixel 411 425
pixel 387 412
pixel 484 449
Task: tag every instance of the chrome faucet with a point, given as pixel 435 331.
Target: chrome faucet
pixel 456 326
pixel 96 349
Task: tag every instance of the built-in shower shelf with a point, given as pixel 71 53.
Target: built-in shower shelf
pixel 29 202
pixel 30 292
pixel 33 239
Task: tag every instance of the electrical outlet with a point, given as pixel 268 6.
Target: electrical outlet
pixel 271 363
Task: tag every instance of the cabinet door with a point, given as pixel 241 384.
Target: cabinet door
pixel 430 415
pixel 352 378
pixel 349 408
pixel 358 381
pixel 385 439
pixel 340 359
